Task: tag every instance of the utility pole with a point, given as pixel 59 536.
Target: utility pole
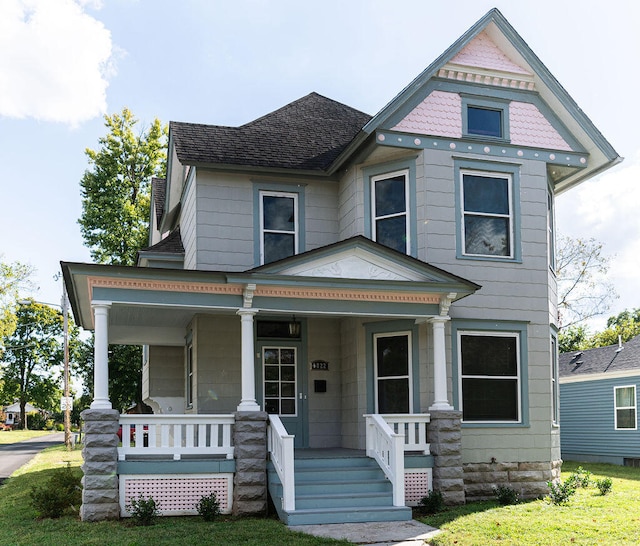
pixel 65 329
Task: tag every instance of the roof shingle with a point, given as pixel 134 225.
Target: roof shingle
pixel 601 360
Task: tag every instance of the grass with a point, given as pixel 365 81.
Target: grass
pixel 21 528
pixel 589 518
pixel 13 436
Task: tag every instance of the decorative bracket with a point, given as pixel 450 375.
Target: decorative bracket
pixel 445 303
pixel 247 295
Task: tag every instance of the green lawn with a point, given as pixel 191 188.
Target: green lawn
pixel 589 518
pixel 13 436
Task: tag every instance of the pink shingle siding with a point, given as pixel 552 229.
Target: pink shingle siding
pixel 528 127
pixel 481 52
pixel 439 114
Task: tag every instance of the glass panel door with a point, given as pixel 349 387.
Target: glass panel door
pixel 393 373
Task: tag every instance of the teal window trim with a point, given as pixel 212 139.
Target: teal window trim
pixel 485 103
pixel 496 169
pixel 551 229
pixel 260 188
pixel 392 327
pixel 489 327
pixel 374 172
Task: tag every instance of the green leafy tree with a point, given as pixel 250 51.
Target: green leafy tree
pixel 583 289
pixel 116 191
pixel 115 224
pixel 33 357
pixel 623 327
pixel 573 338
pixel 14 276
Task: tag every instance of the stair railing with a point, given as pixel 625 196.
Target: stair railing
pixel 387 448
pixel 280 445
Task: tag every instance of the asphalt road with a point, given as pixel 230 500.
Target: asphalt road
pixel 13 456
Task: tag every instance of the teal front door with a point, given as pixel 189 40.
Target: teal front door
pixel 283 387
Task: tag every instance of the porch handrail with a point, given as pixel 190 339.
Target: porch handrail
pixel 387 448
pixel 176 435
pixel 280 445
pixel 414 428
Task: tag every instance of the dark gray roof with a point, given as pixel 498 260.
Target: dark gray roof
pixel 307 134
pixel 602 360
pixel 171 244
pixel 158 189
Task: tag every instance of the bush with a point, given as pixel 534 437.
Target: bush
pixel 63 491
pixel 580 478
pixel 506 495
pixel 208 507
pixel 561 492
pixel 36 421
pixel 604 485
pixel 143 511
pixel 432 503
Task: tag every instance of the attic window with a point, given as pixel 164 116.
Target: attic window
pixel 485 117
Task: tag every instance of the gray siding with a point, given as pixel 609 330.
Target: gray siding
pixel 587 422
pixel 188 228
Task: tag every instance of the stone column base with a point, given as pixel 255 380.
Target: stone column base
pixel 100 499
pixel 250 448
pixel 445 438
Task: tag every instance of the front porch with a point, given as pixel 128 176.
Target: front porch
pixel 178 459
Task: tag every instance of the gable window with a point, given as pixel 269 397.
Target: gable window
pixel 390 199
pixel 392 368
pixel 485 117
pixel 625 407
pixel 278 226
pixel 487 216
pixel 484 121
pixel 489 376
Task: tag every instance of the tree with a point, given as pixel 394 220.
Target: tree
pixel 33 352
pixel 583 289
pixel 623 327
pixel 115 223
pixel 116 192
pixel 14 277
pixel 573 338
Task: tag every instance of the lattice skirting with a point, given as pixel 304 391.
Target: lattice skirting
pixel 417 484
pixel 177 494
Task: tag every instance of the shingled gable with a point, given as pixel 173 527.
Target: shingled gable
pixel 307 135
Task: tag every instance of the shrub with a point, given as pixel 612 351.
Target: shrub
pixel 506 495
pixel 143 511
pixel 561 492
pixel 208 507
pixel 580 478
pixel 604 485
pixel 432 503
pixel 36 421
pixel 63 491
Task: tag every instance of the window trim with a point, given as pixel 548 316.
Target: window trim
pixel 408 200
pixel 555 380
pixel 634 407
pixel 498 170
pixel 190 375
pixel 490 328
pixel 264 231
pixel 551 230
pixel 409 376
pixel 485 103
pixel 387 169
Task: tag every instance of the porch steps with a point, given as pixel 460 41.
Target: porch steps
pixel 337 490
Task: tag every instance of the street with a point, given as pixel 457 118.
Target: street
pixel 13 456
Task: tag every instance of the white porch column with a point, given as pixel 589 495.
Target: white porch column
pixel 439 365
pixel 248 401
pixel 101 357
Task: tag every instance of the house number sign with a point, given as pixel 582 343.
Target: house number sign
pixel 319 365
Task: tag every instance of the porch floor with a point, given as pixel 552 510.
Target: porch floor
pixel 327 453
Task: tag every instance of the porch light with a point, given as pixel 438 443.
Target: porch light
pixel 294 327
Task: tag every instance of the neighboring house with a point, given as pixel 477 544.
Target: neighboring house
pixel 13 414
pixel 345 284
pixel 599 404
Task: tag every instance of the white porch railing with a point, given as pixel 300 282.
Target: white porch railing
pixel 176 435
pixel 387 448
pixel 280 445
pixel 414 428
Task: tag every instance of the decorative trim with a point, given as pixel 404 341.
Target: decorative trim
pixel 163 286
pixel 340 294
pixel 451 71
pixel 445 303
pixel 247 294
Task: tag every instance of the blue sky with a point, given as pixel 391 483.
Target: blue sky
pixel 65 63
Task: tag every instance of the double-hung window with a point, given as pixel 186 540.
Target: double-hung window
pixel 278 225
pixel 489 376
pixel 390 210
pixel 392 366
pixel 487 214
pixel 625 407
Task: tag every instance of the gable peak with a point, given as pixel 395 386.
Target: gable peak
pixel 482 52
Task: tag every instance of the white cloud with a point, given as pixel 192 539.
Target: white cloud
pixel 55 61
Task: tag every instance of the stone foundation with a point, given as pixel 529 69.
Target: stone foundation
pixel 527 479
pixel 100 454
pixel 250 481
pixel 445 437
